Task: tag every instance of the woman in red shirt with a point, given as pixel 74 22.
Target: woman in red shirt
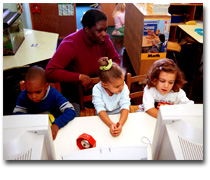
pixel 76 58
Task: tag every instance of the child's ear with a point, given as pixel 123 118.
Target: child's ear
pixel 103 84
pixel 46 86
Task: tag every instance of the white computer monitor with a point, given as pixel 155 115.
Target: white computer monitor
pixel 179 133
pixel 27 137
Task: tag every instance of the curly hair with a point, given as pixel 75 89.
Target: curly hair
pixel 115 72
pixel 169 66
pixel 92 16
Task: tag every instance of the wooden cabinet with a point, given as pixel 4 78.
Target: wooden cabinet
pixel 143 48
pixel 188 12
pixel 108 9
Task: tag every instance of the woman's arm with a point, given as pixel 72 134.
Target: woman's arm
pixel 56 67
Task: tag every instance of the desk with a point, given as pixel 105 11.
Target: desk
pixel 190 30
pixel 26 54
pixel 137 125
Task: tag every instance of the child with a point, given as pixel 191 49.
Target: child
pixel 164 83
pixel 119 19
pixel 39 97
pixel 111 95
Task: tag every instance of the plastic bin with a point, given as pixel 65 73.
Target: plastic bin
pixel 176 18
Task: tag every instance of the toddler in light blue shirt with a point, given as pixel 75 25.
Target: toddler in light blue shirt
pixel 111 95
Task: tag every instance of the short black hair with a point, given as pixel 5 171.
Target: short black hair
pixel 35 72
pixel 92 16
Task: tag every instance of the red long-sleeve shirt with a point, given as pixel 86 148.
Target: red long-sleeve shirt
pixel 78 55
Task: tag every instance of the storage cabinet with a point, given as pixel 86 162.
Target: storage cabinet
pixel 108 9
pixel 145 37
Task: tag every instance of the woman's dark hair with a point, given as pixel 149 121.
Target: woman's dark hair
pixel 92 16
pixel 169 66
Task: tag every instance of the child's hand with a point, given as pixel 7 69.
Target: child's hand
pixel 116 129
pixel 54 129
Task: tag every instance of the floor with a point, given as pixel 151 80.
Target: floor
pixel 193 89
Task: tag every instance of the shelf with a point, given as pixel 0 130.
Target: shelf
pixel 186 4
pixel 189 11
pixel 176 24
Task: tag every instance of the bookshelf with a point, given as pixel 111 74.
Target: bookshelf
pixel 188 11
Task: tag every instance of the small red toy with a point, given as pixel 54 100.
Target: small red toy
pixel 85 141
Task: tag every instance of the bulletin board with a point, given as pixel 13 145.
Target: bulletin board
pixel 54 17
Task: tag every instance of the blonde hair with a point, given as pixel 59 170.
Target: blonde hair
pixel 120 8
pixel 115 72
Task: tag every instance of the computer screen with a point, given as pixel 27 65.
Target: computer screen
pixel 179 133
pixel 27 137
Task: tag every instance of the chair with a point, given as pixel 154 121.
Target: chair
pixel 138 94
pixel 55 85
pixel 83 110
pixel 174 48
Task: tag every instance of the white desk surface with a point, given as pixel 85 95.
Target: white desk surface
pixel 26 54
pixel 137 126
pixel 190 30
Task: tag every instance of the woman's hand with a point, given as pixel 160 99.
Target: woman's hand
pixel 85 81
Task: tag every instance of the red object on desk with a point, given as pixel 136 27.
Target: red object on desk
pixel 85 141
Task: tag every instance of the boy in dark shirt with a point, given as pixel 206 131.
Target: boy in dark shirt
pixel 40 97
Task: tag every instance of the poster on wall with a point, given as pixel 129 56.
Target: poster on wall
pixel 66 9
pixel 155 38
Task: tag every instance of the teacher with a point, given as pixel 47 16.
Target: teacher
pixel 76 58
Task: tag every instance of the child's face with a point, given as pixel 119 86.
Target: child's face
pixel 36 89
pixel 115 86
pixel 165 82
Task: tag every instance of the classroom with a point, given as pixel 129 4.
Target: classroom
pixel 114 81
